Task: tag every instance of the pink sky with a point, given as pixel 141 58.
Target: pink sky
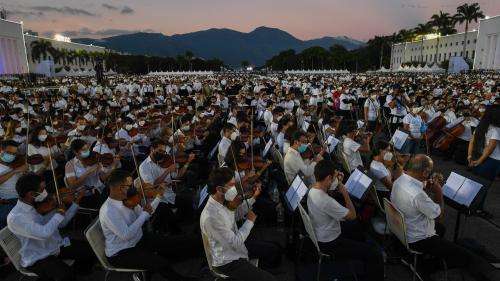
pixel 305 19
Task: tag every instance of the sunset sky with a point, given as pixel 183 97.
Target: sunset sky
pixel 305 19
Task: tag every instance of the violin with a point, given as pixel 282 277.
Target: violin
pixel 35 159
pixel 91 160
pixel 106 159
pixel 50 203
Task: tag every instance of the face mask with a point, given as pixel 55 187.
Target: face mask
pixel 230 194
pixel 374 97
pixel 41 196
pixel 334 184
pixel 482 110
pixel 7 157
pixel 302 148
pixel 80 127
pixel 85 154
pixel 142 123
pixel 185 128
pixel 128 127
pixel 388 156
pixel 42 137
pixel 18 130
pixel 234 135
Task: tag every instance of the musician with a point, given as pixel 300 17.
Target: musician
pixel 371 110
pixel 89 176
pixel 8 178
pixel 351 148
pixel 347 102
pixel 43 249
pixel 293 162
pixel 126 246
pixel 409 195
pixel 37 145
pixel 226 241
pixel 326 214
pixel 382 158
pixel 229 134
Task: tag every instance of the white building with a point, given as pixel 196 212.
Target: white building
pixel 16 52
pixel 482 47
pixel 13 59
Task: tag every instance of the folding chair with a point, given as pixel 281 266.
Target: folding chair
pixel 396 224
pixel 11 245
pixel 208 255
pixel 277 157
pixel 96 239
pixel 312 235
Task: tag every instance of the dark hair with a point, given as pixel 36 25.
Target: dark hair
pixel 34 136
pixel 219 177
pixel 28 182
pixel 380 145
pixel 347 127
pixel 323 169
pixel 157 143
pixel 490 117
pixel 77 145
pixel 7 143
pixel 117 177
pixel 296 136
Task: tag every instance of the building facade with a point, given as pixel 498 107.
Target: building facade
pixel 482 49
pixel 13 59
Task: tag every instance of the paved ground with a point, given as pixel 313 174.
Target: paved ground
pixel 472 227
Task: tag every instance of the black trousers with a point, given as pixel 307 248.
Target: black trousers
pixel 155 254
pixel 454 255
pixel 268 253
pixel 243 270
pixel 345 248
pixel 53 267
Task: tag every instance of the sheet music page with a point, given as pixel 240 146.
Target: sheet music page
pixel 467 192
pixel 267 147
pixel 452 185
pixel 353 186
pixel 296 192
pixel 203 195
pixel 332 143
pixel 399 139
pixel 361 186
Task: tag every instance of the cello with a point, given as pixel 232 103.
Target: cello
pixel 449 136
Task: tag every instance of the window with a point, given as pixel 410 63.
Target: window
pixel 473 54
pixel 466 54
pixel 446 45
pixel 462 43
pixel 439 57
pixel 456 44
pixel 440 45
pixel 468 42
pixel 425 57
pixel 455 54
pixel 462 53
pixel 475 40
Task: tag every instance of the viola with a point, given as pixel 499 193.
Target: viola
pixel 107 159
pixel 91 160
pixel 35 159
pixel 50 203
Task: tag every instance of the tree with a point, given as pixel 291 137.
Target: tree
pixel 189 56
pixel 443 23
pixel 40 48
pixel 468 13
pixel 245 64
pixel 423 29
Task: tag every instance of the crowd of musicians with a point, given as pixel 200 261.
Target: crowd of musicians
pixel 137 154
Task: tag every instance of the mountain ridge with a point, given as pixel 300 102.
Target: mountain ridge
pixel 229 45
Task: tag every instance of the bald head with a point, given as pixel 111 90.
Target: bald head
pixel 420 165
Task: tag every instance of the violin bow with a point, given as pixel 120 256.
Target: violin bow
pixel 26 106
pixel 239 177
pixel 56 187
pixel 251 138
pixel 139 175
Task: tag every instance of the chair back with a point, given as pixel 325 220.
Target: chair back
pixel 341 155
pixel 11 246
pixel 96 239
pixel 396 222
pixel 278 158
pixel 309 228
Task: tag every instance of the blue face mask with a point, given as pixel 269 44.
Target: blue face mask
pixel 7 157
pixel 302 148
pixel 85 154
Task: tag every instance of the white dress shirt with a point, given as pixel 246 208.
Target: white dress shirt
pixel 223 147
pixel 122 226
pixel 326 214
pixel 38 234
pixel 418 209
pixel 226 241
pixel 373 107
pixel 379 172
pixel 150 171
pixel 294 164
pixel 8 187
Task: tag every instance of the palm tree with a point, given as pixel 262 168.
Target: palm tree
pixel 189 56
pixel 403 36
pixel 443 23
pixel 40 48
pixel 468 13
pixel 422 29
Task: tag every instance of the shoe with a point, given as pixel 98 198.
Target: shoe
pixel 137 277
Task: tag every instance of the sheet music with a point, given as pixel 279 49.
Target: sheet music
pixel 296 192
pixel 203 195
pixel 267 147
pixel 399 139
pixel 461 189
pixel 358 183
pixel 332 143
pixel 452 185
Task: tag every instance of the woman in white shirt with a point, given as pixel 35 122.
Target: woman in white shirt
pixel 351 149
pixel 382 156
pixel 38 145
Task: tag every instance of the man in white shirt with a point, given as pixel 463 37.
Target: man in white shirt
pixel 326 214
pixel 412 123
pixel 125 244
pixel 372 111
pixel 351 149
pixel 347 101
pixel 43 249
pixel 228 253
pixel 229 135
pixel 8 179
pixel 293 162
pixel 420 212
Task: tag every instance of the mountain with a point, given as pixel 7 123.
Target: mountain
pixel 231 46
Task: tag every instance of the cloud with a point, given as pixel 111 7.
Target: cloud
pixel 25 14
pixel 64 10
pixel 109 6
pixel 86 32
pixel 127 10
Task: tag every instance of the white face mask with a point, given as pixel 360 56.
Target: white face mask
pixel 234 135
pixel 481 109
pixel 231 193
pixel 18 130
pixel 334 184
pixel 388 156
pixel 41 196
pixel 128 127
pixel 80 127
pixel 42 137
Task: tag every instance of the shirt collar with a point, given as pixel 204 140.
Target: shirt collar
pixel 115 202
pixel 25 206
pixel 414 181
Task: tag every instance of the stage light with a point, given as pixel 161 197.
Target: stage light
pixel 62 38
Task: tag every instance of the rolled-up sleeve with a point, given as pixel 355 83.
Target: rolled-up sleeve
pixel 425 205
